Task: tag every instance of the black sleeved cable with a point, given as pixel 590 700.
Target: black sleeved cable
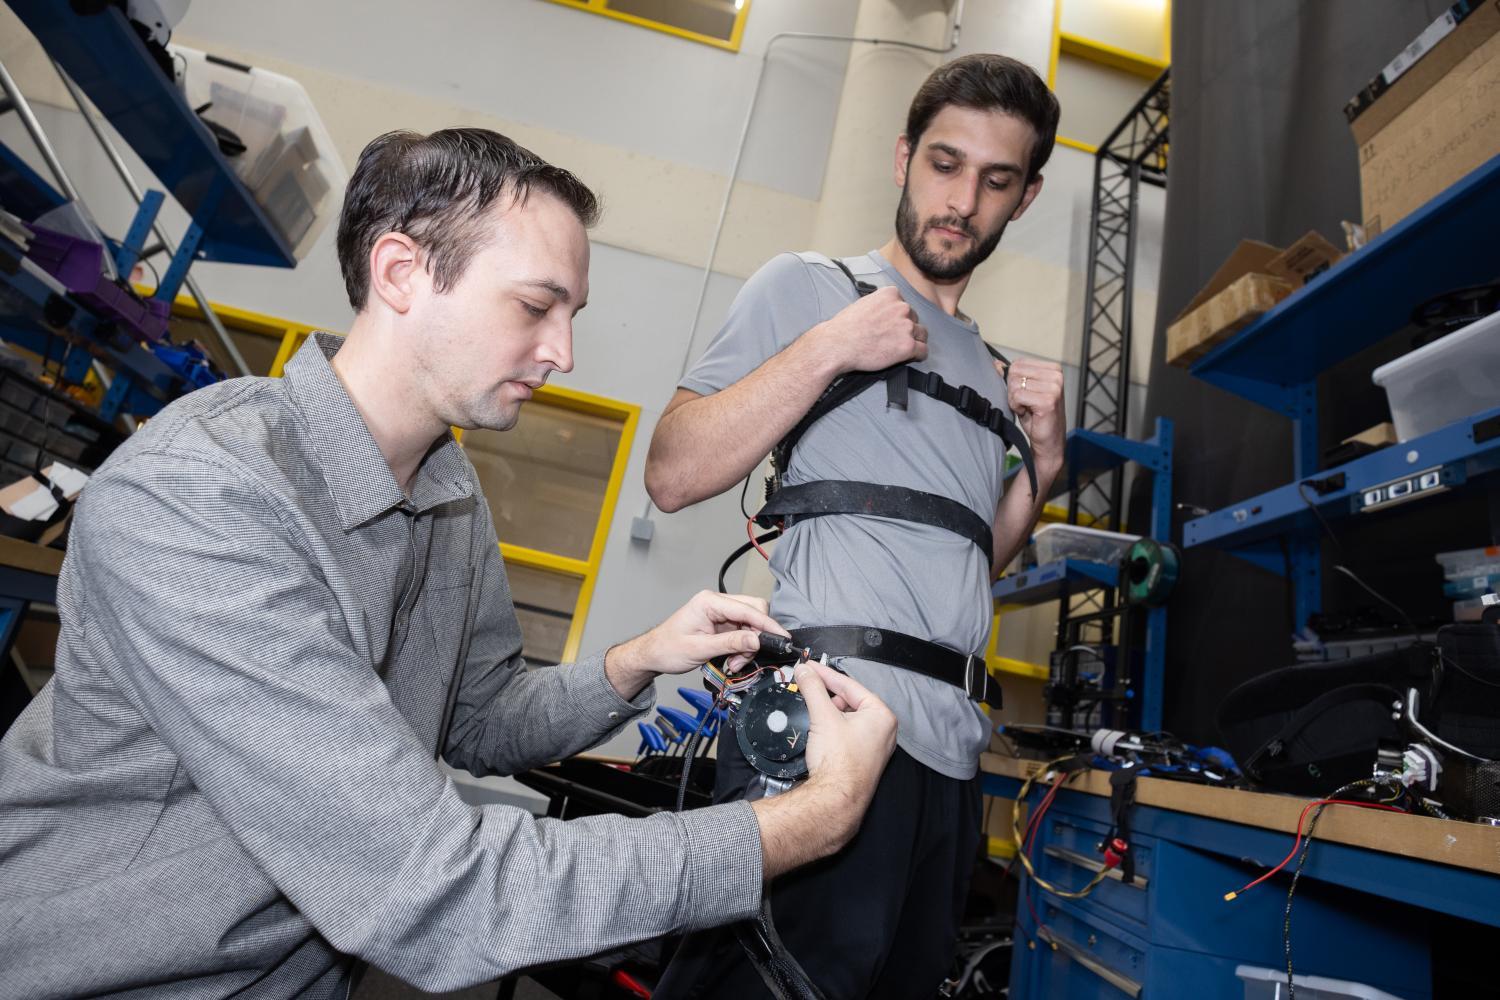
pixel 782 974
pixel 746 547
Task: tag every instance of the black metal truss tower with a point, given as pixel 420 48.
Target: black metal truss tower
pixel 1134 154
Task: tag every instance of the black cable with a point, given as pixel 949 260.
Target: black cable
pixel 1379 597
pixel 1451 662
pixel 1286 923
pixel 687 756
pixel 1340 567
pixel 745 491
pixel 771 535
pixel 1338 547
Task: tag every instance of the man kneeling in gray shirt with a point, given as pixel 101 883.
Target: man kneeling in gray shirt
pixel 283 597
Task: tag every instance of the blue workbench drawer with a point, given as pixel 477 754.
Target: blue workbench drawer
pixel 1079 958
pixel 1069 856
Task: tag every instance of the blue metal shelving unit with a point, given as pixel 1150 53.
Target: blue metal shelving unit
pixel 1044 583
pixel 1275 362
pixel 1089 454
pixel 105 57
pixel 37 314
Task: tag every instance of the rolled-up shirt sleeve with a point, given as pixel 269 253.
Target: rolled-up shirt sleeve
pixel 210 614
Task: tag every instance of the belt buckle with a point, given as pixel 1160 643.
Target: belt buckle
pixel 969 679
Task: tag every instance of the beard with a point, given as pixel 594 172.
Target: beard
pixel 934 265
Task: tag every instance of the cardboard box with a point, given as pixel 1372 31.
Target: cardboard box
pixel 1249 284
pixel 1439 120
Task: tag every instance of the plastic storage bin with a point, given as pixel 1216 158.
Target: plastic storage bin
pixel 1471 610
pixel 1069 541
pixel 289 163
pixel 1446 381
pixel 1476 585
pixel 1469 562
pixel 1270 984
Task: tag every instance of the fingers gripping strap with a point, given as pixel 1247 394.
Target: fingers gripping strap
pixel 832 496
pixel 897 649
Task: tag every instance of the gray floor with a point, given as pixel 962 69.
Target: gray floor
pixel 379 986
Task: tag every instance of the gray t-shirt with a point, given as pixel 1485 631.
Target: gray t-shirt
pixel 858 570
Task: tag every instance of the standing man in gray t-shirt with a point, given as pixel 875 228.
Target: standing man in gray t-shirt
pixel 978 133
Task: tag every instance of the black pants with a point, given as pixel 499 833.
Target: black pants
pixel 879 919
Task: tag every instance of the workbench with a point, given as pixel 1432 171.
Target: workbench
pixel 1358 914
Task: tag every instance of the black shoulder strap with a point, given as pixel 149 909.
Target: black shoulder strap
pixel 862 287
pixel 898 380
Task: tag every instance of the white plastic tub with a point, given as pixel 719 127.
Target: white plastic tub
pixel 1069 541
pixel 290 163
pixel 1467 563
pixel 1270 984
pixel 1446 381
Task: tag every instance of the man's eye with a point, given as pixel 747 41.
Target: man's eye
pixel 537 311
pixel 999 185
pixel 943 168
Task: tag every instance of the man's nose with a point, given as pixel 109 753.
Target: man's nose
pixel 963 196
pixel 556 348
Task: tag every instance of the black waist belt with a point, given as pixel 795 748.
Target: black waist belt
pixel 967 672
pixel 833 496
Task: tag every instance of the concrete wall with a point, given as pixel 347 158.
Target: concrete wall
pixel 653 123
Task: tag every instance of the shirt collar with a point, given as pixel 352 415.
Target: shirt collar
pixel 959 320
pixel 358 477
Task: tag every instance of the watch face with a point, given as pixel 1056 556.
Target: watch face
pixel 771 727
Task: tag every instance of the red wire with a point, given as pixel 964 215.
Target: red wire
pixel 1034 823
pixel 1297 843
pixel 750 530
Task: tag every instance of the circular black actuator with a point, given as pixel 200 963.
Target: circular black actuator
pixel 771 727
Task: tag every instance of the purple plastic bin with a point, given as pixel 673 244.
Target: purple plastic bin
pixel 79 266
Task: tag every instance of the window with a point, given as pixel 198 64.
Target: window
pixel 1105 54
pixel 551 483
pixel 712 22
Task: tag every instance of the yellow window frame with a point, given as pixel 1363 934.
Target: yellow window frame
pixel 1063 42
pixel 601 7
pixel 1051 514
pixel 628 414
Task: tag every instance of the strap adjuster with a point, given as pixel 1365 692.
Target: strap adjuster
pixel 972 405
pixel 982 695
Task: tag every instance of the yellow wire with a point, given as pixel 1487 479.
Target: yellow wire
pixel 1015 826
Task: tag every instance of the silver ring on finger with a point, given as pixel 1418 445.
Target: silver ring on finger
pixel 1023 381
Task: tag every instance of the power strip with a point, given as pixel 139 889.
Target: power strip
pixel 1398 491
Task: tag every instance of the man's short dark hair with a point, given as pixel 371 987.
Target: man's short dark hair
pixel 988 82
pixel 435 189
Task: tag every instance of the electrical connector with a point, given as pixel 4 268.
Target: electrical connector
pixel 1421 767
pixel 1326 484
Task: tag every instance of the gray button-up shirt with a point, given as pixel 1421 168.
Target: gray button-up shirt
pixel 228 788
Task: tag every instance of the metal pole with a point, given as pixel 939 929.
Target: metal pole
pixel 18 103
pixel 34 128
pixel 237 360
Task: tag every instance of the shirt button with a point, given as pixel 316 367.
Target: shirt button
pixel 613 716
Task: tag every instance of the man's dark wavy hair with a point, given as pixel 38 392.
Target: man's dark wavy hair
pixel 436 189
pixel 988 82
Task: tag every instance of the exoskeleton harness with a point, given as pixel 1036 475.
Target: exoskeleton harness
pixel 787 504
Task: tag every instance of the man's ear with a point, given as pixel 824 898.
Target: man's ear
pixel 1033 189
pixel 903 159
pixel 395 270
